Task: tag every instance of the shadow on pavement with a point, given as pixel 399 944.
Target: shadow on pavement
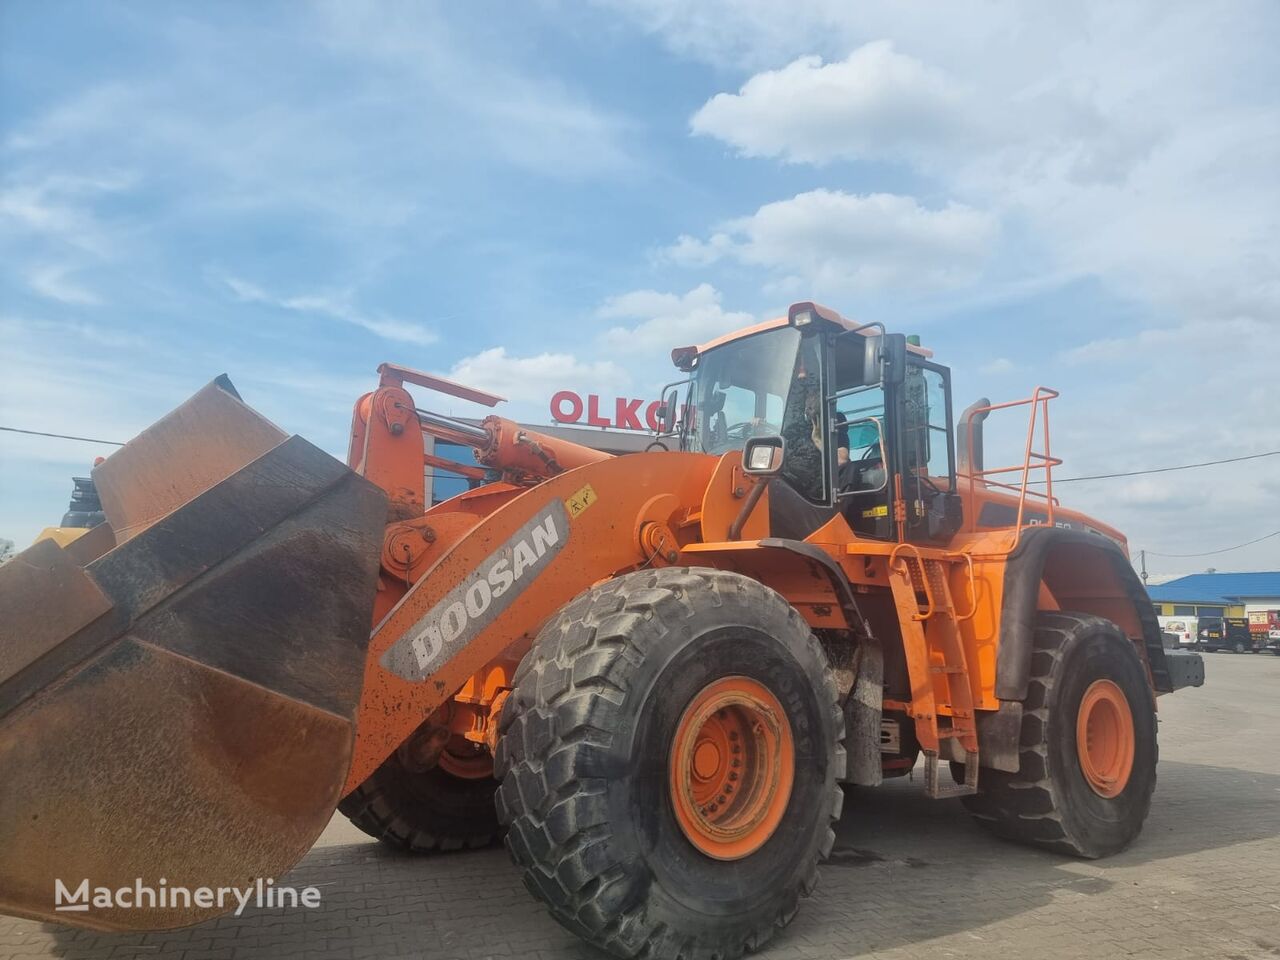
pixel 904 870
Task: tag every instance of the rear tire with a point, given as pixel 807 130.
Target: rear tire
pixel 1051 802
pixel 425 811
pixel 586 756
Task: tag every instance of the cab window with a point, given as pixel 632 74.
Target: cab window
pixel 927 452
pixel 856 403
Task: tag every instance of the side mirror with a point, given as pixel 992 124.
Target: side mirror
pixel 885 359
pixel 763 456
pixel 670 409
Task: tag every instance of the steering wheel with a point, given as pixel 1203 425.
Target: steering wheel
pixel 927 481
pixel 858 469
pixel 745 429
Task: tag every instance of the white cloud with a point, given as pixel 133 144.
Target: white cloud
pixel 51 280
pixel 689 251
pixel 529 381
pixel 667 320
pixel 59 331
pixel 997 365
pixel 53 206
pixel 52 230
pixel 1146 493
pixel 337 306
pixel 27 207
pixel 640 327
pixel 876 102
pixel 1131 148
pixel 731 34
pixel 1136 143
pixel 829 240
pixel 1191 340
pixel 527 116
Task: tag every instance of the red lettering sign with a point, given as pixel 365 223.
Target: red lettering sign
pixel 569 407
pixel 557 407
pixel 593 412
pixel 624 414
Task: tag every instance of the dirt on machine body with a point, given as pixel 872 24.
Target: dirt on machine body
pixel 652 673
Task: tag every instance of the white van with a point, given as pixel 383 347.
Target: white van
pixel 1186 629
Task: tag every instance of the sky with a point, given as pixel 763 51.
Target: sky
pixel 552 195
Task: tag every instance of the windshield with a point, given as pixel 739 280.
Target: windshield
pixel 739 390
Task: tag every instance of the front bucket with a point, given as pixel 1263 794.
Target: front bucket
pixel 178 711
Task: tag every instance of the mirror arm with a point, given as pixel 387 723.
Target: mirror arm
pixel 864 326
pixel 748 506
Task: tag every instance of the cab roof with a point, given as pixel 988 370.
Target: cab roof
pixel 683 357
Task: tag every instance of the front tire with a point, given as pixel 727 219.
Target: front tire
pixel 1088 744
pixel 618 708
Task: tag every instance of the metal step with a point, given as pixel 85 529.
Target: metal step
pixel 937 789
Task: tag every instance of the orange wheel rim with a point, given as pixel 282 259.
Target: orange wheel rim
pixel 1104 738
pixel 732 766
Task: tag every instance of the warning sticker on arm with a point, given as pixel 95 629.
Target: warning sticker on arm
pixel 580 501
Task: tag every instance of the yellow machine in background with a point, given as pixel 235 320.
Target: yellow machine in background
pixel 84 512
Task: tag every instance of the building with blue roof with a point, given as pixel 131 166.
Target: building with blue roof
pixel 1217 594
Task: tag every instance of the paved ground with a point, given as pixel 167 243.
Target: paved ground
pixel 909 878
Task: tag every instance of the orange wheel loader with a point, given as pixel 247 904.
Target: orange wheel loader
pixel 653 672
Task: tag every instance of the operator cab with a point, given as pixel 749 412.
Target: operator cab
pixel 865 419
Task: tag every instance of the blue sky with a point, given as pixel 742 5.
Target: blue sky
pixel 545 195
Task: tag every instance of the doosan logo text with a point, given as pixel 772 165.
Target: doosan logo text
pixel 479 599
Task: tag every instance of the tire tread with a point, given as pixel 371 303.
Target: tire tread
pixel 553 805
pixel 1026 807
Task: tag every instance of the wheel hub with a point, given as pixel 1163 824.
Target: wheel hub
pixel 732 766
pixel 1104 738
pixel 466 760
